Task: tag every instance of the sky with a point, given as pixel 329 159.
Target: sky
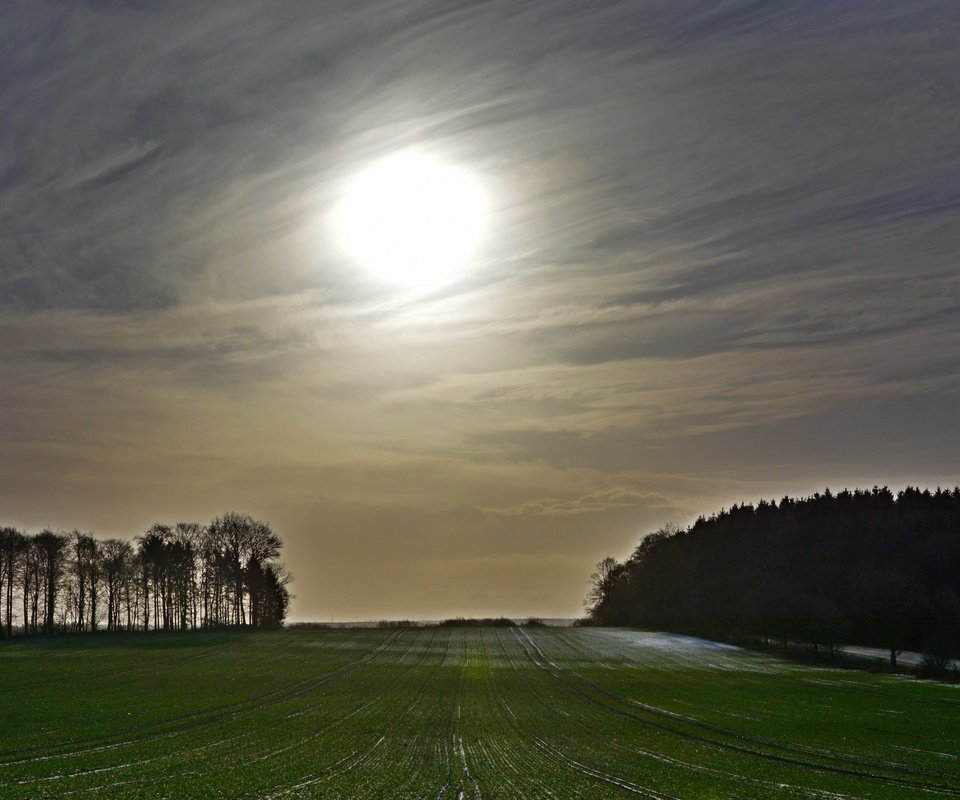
pixel 720 263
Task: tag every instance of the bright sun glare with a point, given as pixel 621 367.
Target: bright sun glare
pixel 411 219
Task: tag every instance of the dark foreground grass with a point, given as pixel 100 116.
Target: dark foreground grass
pixel 451 713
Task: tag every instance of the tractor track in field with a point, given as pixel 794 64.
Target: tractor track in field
pixel 246 758
pixel 504 749
pixel 805 749
pixel 445 748
pixel 333 770
pixel 112 674
pixel 554 755
pixel 458 770
pixel 325 773
pixel 536 655
pixel 212 716
pixel 460 714
pixel 340 767
pixel 109 672
pixel 590 772
pixel 714 772
pixel 802 749
pixel 854 687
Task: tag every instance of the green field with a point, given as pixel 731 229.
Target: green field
pixel 459 713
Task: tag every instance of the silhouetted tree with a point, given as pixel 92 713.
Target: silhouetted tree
pixel 117 573
pixel 86 569
pixel 274 596
pixel 865 566
pixel 13 543
pixel 186 576
pixel 241 549
pixel 599 587
pixel 30 585
pixel 152 556
pixel 51 549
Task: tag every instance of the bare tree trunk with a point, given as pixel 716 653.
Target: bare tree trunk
pixel 51 599
pixel 93 603
pixel 35 600
pixel 127 595
pixel 26 595
pixel 10 598
pixel 111 589
pixel 81 598
pixel 146 600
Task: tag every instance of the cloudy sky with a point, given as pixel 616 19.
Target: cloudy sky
pixel 720 263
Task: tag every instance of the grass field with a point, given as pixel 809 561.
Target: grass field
pixel 459 713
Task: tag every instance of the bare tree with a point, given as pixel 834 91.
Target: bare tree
pixel 117 563
pixel 52 551
pixel 189 538
pixel 174 578
pixel 240 550
pixel 152 546
pixel 13 543
pixel 95 568
pixel 599 579
pixel 18 547
pixel 84 560
pixel 30 585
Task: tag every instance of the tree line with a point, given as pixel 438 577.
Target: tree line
pixel 172 577
pixel 863 567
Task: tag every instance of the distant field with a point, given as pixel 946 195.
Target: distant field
pixel 447 713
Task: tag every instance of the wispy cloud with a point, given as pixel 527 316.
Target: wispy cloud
pixel 595 502
pixel 721 258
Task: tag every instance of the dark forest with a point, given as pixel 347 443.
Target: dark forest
pixel 859 567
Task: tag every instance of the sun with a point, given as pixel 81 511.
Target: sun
pixel 411 219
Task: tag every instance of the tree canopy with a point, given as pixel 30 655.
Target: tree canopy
pixel 171 577
pixel 862 567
